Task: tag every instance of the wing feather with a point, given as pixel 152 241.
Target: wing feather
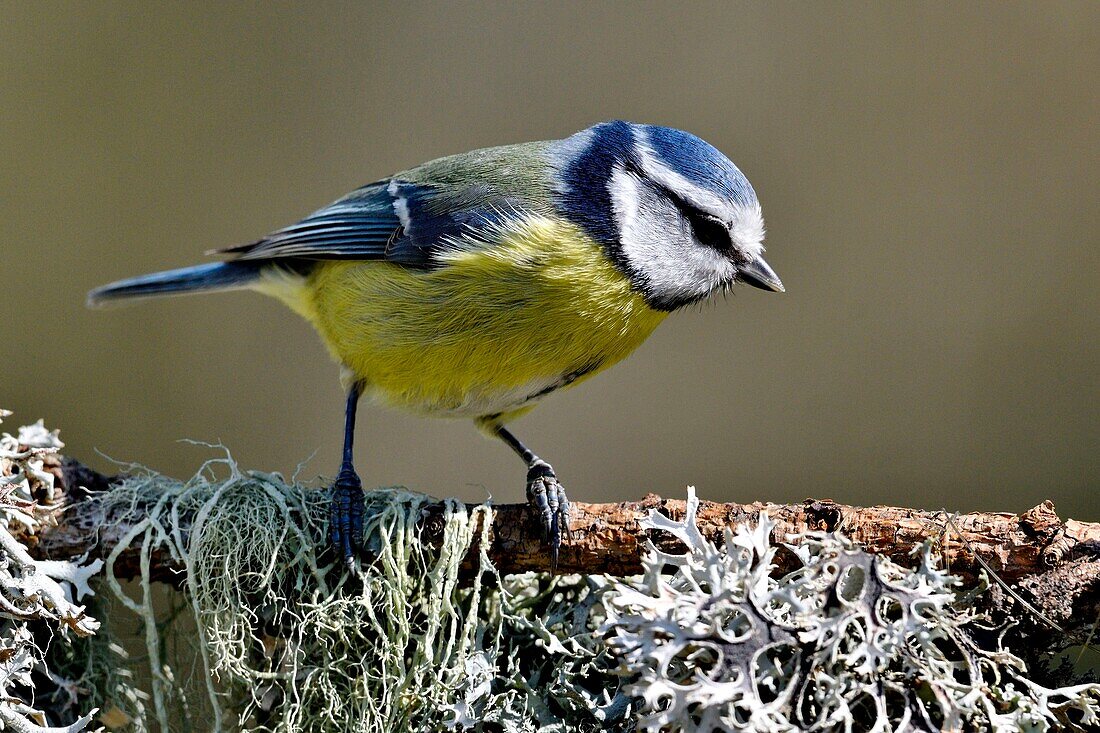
pixel 393 220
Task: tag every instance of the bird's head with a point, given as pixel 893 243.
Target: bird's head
pixel 673 213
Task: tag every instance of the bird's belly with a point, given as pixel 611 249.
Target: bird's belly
pixel 491 331
pixel 462 400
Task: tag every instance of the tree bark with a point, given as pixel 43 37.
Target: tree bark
pixel 1052 565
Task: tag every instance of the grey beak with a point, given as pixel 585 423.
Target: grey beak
pixel 759 274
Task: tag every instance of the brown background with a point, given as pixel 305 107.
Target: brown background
pixel 929 177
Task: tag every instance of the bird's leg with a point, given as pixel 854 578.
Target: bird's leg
pixel 545 494
pixel 346 510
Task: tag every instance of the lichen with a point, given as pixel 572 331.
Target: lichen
pixel 38 599
pixel 269 633
pixel 850 641
pixel 289 641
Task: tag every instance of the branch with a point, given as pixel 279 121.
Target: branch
pixel 1053 565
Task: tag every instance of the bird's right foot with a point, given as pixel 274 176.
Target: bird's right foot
pixel 346 515
pixel 547 497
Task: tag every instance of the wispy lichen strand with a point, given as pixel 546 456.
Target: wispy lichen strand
pixel 292 642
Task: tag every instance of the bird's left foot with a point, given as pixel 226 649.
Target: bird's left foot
pixel 547 497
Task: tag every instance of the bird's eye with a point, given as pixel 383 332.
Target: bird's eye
pixel 707 228
pixel 710 230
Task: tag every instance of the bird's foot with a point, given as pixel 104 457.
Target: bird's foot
pixel 346 515
pixel 547 497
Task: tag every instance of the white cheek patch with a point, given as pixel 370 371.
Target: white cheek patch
pixel 659 248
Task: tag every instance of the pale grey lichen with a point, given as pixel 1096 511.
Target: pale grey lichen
pixel 710 641
pixel 38 599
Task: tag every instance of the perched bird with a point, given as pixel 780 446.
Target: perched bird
pixel 477 284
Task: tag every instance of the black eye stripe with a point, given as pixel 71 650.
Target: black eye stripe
pixel 707 228
pixel 710 231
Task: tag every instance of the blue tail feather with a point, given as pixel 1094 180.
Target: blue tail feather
pixel 213 276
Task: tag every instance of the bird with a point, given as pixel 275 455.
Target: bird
pixel 476 285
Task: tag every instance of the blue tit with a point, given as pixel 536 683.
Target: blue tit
pixel 476 285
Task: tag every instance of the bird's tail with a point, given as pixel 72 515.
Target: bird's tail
pixel 200 278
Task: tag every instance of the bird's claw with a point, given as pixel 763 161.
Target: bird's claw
pixel 547 497
pixel 346 515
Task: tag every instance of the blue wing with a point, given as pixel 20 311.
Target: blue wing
pixel 396 221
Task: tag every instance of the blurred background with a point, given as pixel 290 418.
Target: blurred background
pixel 929 176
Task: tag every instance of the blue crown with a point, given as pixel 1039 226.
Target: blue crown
pixel 699 162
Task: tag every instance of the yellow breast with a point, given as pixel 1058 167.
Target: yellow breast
pixel 491 331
